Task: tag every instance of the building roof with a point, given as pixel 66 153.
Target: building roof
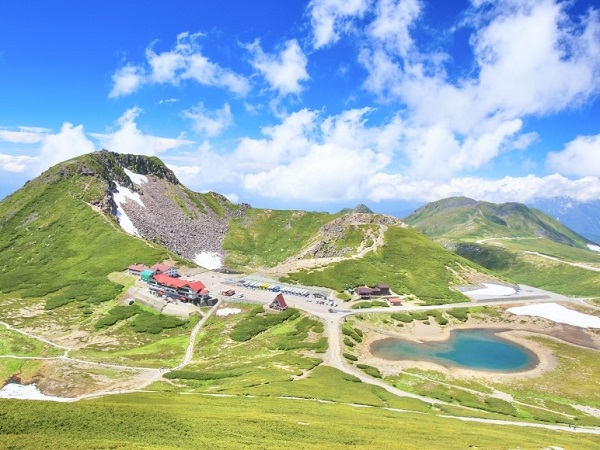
pixel 178 283
pixel 394 300
pixel 138 267
pixel 365 290
pixel 280 301
pixel 162 267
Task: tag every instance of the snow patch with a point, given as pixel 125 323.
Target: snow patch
pixel 594 248
pixel 228 311
pixel 557 313
pixel 28 392
pixel 493 289
pixel 136 177
pixel 208 260
pixel 120 197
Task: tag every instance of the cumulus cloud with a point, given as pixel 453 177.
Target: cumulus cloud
pixel 392 23
pixel 330 17
pixel 284 71
pixel 209 123
pixel 68 143
pixel 24 135
pixel 581 157
pixel 184 61
pixel 16 164
pixel 128 138
pixel 530 59
pixel 508 189
pixel 308 156
pixel 126 81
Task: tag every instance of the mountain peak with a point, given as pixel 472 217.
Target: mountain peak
pixel 463 218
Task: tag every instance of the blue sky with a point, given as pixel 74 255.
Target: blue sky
pixel 316 104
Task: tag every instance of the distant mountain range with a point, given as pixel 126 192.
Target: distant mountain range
pixel 581 217
pixel 464 219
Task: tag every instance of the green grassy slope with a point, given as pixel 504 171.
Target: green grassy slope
pixel 535 270
pixel 507 233
pixel 267 237
pixel 409 262
pixel 166 421
pixel 468 220
pixel 53 245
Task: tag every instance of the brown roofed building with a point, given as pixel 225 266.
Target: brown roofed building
pixel 137 269
pixel 165 268
pixel 377 291
pixel 278 303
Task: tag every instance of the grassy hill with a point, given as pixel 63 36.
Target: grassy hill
pixel 513 241
pixel 410 263
pixel 55 246
pixel 62 257
pixel 265 237
pixel 464 219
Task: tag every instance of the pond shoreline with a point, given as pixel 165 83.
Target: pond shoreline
pixel 383 349
pixel 516 333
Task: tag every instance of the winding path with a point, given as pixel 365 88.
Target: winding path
pixel 148 375
pixel 333 357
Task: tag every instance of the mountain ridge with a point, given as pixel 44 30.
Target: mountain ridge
pixel 461 218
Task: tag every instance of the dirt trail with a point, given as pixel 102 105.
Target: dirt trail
pixel 552 258
pixel 143 376
pixel 286 267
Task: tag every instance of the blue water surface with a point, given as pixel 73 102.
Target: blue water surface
pixel 473 349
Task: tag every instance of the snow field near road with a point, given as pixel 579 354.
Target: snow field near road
pixel 557 313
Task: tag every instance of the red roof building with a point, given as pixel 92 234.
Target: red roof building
pixel 137 269
pixel 279 303
pixel 176 287
pixel 165 268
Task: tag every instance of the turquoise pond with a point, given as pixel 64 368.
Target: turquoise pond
pixel 478 349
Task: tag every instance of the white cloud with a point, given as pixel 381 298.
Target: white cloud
pixel 167 101
pixel 308 157
pixel 581 157
pixel 283 71
pixel 392 23
pixel 16 164
pixel 25 135
pixel 126 81
pixel 531 60
pixel 184 62
pixel 209 123
pixel 128 138
pixel 521 189
pixel 329 17
pixel 68 143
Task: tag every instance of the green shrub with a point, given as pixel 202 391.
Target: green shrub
pixel 350 357
pixel 351 332
pixel 116 314
pixel 419 315
pixel 147 322
pixel 370 370
pixel 348 342
pixel 257 321
pixel 461 314
pixel 500 406
pixel 441 320
pixel 402 317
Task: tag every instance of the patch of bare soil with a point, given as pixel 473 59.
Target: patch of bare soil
pixel 72 379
